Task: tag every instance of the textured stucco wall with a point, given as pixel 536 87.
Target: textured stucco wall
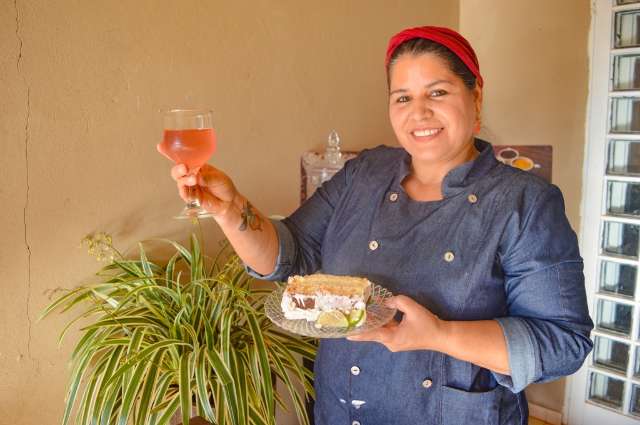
pixel 534 59
pixel 81 87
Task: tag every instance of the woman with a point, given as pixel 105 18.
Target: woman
pixel 482 257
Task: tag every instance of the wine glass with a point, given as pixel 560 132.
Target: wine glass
pixel 189 139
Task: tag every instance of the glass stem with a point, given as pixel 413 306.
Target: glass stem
pixel 192 196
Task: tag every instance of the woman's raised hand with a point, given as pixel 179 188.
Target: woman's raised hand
pixel 214 188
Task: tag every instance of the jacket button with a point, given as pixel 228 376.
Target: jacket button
pixel 355 370
pixel 472 198
pixel 355 423
pixel 427 383
pixel 448 256
pixel 373 245
pixel 393 197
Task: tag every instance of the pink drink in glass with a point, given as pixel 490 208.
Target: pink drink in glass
pixel 192 147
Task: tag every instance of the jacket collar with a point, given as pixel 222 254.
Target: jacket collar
pixel 458 179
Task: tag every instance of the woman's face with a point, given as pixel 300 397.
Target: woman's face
pixel 432 112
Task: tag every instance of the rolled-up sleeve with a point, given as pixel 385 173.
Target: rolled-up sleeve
pixel 547 324
pixel 300 235
pixel 286 250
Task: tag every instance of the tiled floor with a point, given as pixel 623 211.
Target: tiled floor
pixel 534 421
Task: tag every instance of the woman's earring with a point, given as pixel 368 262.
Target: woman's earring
pixel 476 128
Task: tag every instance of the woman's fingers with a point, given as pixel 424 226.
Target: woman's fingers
pixel 212 187
pixel 204 176
pixel 211 175
pixel 402 303
pixel 381 334
pixel 178 171
pixel 187 181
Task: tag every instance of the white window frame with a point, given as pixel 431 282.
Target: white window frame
pixel 577 409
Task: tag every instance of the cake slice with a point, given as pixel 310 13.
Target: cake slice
pixel 329 300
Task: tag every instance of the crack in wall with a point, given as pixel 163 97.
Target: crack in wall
pixel 15 5
pixel 24 217
pixel 26 157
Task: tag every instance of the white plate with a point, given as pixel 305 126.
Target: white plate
pixel 378 315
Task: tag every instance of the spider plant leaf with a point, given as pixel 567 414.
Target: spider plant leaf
pixel 85 342
pixel 109 300
pixel 84 408
pixel 160 315
pixel 197 265
pixel 103 389
pixel 298 404
pixel 170 410
pixel 256 378
pixel 111 403
pixel 110 342
pixel 304 375
pixel 123 321
pixel 172 391
pixel 166 378
pixel 256 417
pixel 178 285
pixel 170 268
pixel 201 386
pixel 225 333
pixel 63 300
pixel 226 379
pixel 129 267
pixel 148 386
pixel 130 392
pixel 217 310
pixel 144 262
pixel 220 403
pixel 209 338
pixel 239 375
pixel 237 277
pixel 197 319
pixel 222 371
pixel 80 298
pixel 142 356
pixel 156 290
pixel 184 252
pixel 305 349
pixel 185 386
pixel 265 370
pixel 189 332
pixel 81 316
pixel 132 350
pixel 76 377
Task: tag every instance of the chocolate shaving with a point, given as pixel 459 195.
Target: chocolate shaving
pixel 306 304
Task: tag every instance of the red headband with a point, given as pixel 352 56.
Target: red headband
pixel 444 36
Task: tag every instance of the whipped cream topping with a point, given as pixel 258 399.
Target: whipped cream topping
pixel 321 303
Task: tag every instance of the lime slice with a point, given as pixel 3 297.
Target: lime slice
pixel 333 319
pixel 357 318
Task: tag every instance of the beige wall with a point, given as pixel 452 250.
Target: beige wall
pixel 534 59
pixel 81 87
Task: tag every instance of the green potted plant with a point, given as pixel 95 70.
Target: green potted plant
pixel 163 339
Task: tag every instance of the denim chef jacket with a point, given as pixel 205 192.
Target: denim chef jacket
pixel 497 246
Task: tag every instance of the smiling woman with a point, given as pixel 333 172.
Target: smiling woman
pixel 482 257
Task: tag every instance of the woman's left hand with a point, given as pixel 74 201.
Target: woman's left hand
pixel 419 329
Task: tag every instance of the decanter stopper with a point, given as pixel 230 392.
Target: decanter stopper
pixel 332 153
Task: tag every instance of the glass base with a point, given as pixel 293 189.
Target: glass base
pixel 193 210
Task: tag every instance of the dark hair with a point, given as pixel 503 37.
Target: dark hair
pixel 418 46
